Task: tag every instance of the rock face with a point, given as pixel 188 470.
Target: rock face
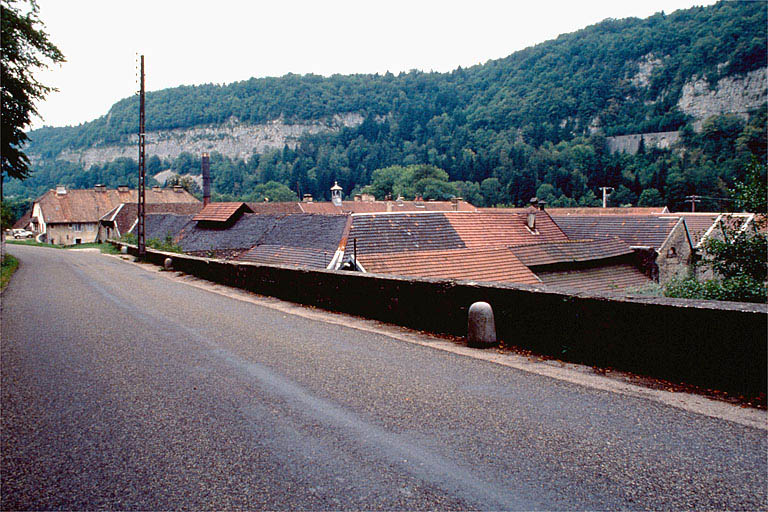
pixel 631 143
pixel 232 139
pixel 645 67
pixel 731 95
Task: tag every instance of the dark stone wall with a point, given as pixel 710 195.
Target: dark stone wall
pixel 710 344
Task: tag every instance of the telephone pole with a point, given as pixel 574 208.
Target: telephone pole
pixel 142 170
pixel 693 199
pixel 606 193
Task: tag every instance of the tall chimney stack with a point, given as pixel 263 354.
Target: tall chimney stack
pixel 206 180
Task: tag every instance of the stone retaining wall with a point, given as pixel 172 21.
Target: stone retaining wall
pixel 709 344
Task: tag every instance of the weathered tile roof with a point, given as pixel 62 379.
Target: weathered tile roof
pixel 269 254
pixel 221 212
pixel 299 239
pixel 90 205
pixel 615 278
pixel 124 216
pixel 698 224
pixel 486 265
pixel 550 253
pixel 635 230
pixel 634 210
pixel 24 221
pixel 402 232
pixel 162 225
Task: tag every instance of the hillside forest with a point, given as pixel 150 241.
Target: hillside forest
pixel 532 124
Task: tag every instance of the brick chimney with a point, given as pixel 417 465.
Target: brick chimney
pixel 206 179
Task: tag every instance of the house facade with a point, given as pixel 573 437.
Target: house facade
pixel 68 217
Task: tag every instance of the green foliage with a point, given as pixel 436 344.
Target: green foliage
pixel 740 254
pixel 737 256
pixel 740 288
pixel 523 120
pixel 186 182
pixel 167 244
pixel 650 197
pixel 272 191
pixel 6 216
pixel 8 266
pixel 751 195
pixel 25 49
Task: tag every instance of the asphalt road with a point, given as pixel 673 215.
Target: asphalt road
pixel 123 389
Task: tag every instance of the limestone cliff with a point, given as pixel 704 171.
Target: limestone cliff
pixel 232 139
pixel 730 95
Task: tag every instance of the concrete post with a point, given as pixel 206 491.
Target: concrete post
pixel 168 264
pixel 481 328
pixel 123 250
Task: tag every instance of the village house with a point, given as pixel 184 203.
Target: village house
pixel 68 217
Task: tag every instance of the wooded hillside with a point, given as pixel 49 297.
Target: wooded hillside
pixel 533 123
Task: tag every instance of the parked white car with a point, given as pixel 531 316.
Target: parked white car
pixel 22 233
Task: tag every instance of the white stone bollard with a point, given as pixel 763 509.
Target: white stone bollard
pixel 481 327
pixel 124 250
pixel 168 264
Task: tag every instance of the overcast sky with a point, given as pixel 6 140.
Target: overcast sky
pixel 189 42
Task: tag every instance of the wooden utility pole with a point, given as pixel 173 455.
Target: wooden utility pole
pixel 142 170
pixel 693 199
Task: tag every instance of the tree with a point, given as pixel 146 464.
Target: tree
pixel 272 191
pixel 25 49
pixel 738 257
pixel 650 197
pixel 186 182
pixel 492 191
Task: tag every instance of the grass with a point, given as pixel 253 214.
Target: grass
pixel 105 248
pixel 7 268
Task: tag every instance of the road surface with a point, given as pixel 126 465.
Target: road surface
pixel 123 388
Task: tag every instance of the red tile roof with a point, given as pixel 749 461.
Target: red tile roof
pixel 570 251
pixel 603 279
pixel 386 206
pixel 502 229
pixel 90 205
pixel 487 265
pixel 221 212
pixel 275 208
